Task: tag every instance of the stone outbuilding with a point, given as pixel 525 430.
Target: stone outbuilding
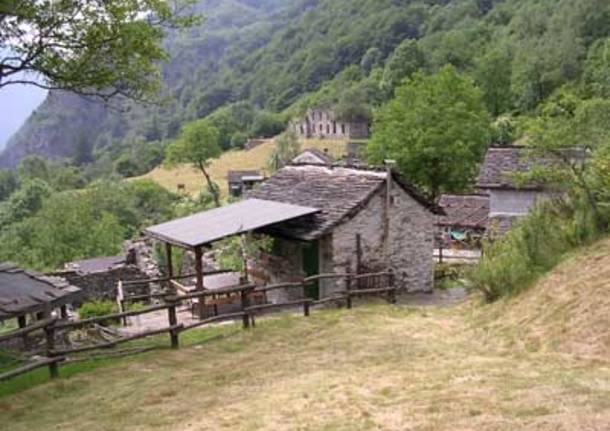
pixel 98 277
pixel 321 123
pixel 368 220
pixel 508 200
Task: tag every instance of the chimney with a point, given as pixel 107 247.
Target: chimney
pixel 389 164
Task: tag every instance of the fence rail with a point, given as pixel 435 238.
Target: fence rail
pixel 50 327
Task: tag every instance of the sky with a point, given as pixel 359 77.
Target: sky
pixel 16 103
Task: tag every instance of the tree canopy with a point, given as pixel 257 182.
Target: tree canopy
pixel 102 49
pixel 437 130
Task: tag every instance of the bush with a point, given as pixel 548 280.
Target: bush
pixel 98 309
pixel 532 247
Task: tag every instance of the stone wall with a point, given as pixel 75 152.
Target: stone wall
pixel 103 285
pixel 284 265
pixel 513 202
pixel 412 230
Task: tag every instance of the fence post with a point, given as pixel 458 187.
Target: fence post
pixel 173 321
pixel 22 322
pixel 49 332
pixel 244 305
pixel 391 283
pixel 306 307
pixel 348 291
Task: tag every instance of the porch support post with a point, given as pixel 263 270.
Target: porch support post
pixel 168 261
pixel 199 268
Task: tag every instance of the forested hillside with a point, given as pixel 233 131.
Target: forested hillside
pixel 283 55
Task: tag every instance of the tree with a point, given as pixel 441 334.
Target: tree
pixel 436 128
pixel 103 49
pixel 198 144
pixel 287 147
pixel 405 61
pixel 8 183
pixel 576 142
pixel 596 76
pixel 493 74
pixel 371 59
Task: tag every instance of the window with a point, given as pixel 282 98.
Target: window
pixel 328 129
pixel 334 127
pixel 321 128
pixel 343 129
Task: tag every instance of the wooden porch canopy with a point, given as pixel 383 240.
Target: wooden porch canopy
pixel 201 229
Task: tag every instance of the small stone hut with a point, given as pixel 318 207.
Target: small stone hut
pixel 369 220
pixel 25 292
pixel 242 181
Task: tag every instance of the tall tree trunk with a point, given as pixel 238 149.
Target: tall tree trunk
pixel 211 186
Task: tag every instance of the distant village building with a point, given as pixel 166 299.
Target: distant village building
pixel 242 181
pixel 321 123
pixel 507 200
pixel 354 229
pixel 313 156
pixel 465 220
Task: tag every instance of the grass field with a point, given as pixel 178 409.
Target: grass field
pixel 255 159
pixel 540 361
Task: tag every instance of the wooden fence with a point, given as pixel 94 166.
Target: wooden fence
pixel 383 282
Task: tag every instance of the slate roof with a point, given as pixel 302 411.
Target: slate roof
pixel 24 291
pixel 501 163
pixel 100 264
pixel 338 192
pixel 465 211
pixel 307 155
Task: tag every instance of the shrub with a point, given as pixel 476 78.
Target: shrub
pixel 98 309
pixel 532 247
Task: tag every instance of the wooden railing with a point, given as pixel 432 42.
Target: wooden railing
pixel 247 313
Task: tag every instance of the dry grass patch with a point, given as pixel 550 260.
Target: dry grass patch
pixel 372 368
pixel 536 362
pixel 255 159
pixel 568 311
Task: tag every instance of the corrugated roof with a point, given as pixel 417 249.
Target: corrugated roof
pixel 24 292
pixel 209 226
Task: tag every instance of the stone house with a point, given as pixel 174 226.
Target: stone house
pixel 359 228
pixel 321 123
pixel 507 200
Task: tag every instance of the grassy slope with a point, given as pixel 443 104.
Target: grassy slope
pixel 232 160
pixel 375 367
